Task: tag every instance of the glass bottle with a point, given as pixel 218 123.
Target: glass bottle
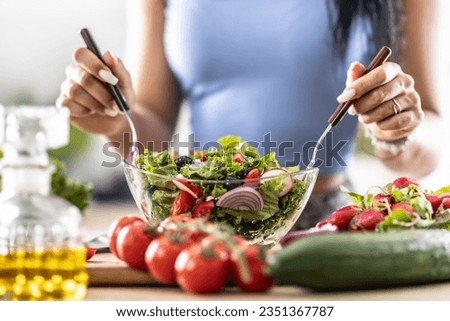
pixel 42 256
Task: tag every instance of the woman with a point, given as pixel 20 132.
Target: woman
pixel 269 71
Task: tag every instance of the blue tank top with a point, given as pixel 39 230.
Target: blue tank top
pixel 264 70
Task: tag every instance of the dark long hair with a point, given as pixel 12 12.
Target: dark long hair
pixel 384 16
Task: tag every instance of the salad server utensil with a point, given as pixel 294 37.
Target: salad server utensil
pixel 340 111
pixel 117 95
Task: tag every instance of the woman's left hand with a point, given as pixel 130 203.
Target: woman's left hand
pixel 386 100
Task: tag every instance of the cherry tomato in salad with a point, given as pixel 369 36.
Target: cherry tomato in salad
pixel 252 178
pixel 115 228
pixel 202 270
pixel 132 242
pixel 183 203
pixel 258 281
pixel 203 209
pixel 238 158
pixel 160 258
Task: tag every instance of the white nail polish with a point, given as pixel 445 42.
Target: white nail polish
pixel 115 107
pixel 111 112
pixel 108 77
pixel 346 95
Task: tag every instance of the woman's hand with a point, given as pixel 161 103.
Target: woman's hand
pixel 386 100
pixel 92 107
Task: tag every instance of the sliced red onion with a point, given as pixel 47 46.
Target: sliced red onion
pixel 183 185
pixel 241 198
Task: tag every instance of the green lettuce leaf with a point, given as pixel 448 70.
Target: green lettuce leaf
pixel 229 142
pixel 395 221
pixel 162 201
pixel 268 161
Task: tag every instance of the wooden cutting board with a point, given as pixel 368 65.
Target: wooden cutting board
pixel 106 270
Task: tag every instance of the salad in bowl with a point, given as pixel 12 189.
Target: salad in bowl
pixel 232 184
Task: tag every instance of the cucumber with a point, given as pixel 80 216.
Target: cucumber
pixel 350 261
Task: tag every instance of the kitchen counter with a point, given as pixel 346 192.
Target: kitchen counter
pixel 100 215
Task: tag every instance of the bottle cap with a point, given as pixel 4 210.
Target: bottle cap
pixel 22 126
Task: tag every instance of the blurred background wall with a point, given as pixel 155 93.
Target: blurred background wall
pixel 37 39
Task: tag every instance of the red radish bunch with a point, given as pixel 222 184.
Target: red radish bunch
pixel 404 196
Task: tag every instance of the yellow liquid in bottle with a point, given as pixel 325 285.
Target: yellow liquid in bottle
pixel 48 275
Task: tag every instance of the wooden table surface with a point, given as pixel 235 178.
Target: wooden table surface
pixel 100 215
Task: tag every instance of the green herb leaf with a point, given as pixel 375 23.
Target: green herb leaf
pixel 443 190
pixel 356 198
pixel 229 142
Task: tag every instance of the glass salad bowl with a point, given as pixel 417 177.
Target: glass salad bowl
pixel 251 193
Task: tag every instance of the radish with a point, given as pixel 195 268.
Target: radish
pixel 381 202
pixel 405 207
pixel 287 179
pixel 366 221
pixel 436 200
pixel 241 198
pixel 403 182
pixel 184 185
pixel 446 203
pixel 341 218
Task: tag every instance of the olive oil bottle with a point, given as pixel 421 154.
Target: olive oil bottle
pixel 42 256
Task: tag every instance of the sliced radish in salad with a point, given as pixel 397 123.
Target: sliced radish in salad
pixel 184 185
pixel 287 179
pixel 241 198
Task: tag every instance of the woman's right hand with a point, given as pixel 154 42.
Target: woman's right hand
pixel 92 107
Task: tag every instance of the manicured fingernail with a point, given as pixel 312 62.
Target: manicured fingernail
pixel 113 56
pixel 115 107
pixel 351 111
pixel 111 112
pixel 108 77
pixel 346 95
pixel 360 119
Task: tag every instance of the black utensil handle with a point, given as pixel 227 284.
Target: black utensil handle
pixel 378 60
pixel 114 90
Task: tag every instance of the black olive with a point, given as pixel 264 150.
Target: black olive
pixel 183 161
pixel 231 182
